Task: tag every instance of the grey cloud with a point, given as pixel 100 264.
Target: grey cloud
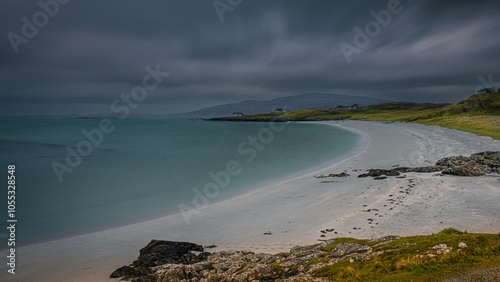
pixel 92 51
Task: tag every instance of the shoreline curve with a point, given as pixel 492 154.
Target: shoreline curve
pixel 296 210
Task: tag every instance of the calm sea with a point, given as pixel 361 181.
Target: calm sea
pixel 145 167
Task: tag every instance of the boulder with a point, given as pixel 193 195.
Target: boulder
pixel 159 252
pixel 128 271
pixel 441 249
pixel 476 165
pixel 122 271
pixel 421 169
pixel 379 172
pixel 344 249
pixel 342 174
pixel 439 246
pixel 387 238
pixel 467 170
pixel 191 258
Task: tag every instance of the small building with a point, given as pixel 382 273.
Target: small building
pixel 486 90
pixel 353 107
pixel 237 114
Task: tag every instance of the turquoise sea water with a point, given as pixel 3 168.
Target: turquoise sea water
pixel 146 167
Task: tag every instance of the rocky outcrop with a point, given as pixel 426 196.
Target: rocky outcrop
pixel 159 252
pixel 441 249
pixel 476 165
pixel 229 265
pixel 345 249
pixel 167 261
pixel 332 175
pixel 379 172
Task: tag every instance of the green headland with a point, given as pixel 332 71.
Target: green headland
pixel 479 114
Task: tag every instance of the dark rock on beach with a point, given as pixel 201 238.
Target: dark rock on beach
pixel 379 172
pixel 332 175
pixel 126 271
pixel 159 252
pixel 344 249
pixel 476 165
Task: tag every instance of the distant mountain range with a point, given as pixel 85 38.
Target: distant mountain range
pixel 309 101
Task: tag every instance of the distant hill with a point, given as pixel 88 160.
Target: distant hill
pixel 309 101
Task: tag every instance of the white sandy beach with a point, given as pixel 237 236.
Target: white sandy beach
pixel 296 210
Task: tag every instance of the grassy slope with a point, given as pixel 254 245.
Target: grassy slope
pixel 401 262
pixel 479 114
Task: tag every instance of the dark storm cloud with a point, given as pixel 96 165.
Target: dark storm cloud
pixel 92 51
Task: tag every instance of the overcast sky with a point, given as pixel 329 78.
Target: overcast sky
pixel 87 53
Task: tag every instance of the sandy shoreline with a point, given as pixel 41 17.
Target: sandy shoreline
pixel 296 210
